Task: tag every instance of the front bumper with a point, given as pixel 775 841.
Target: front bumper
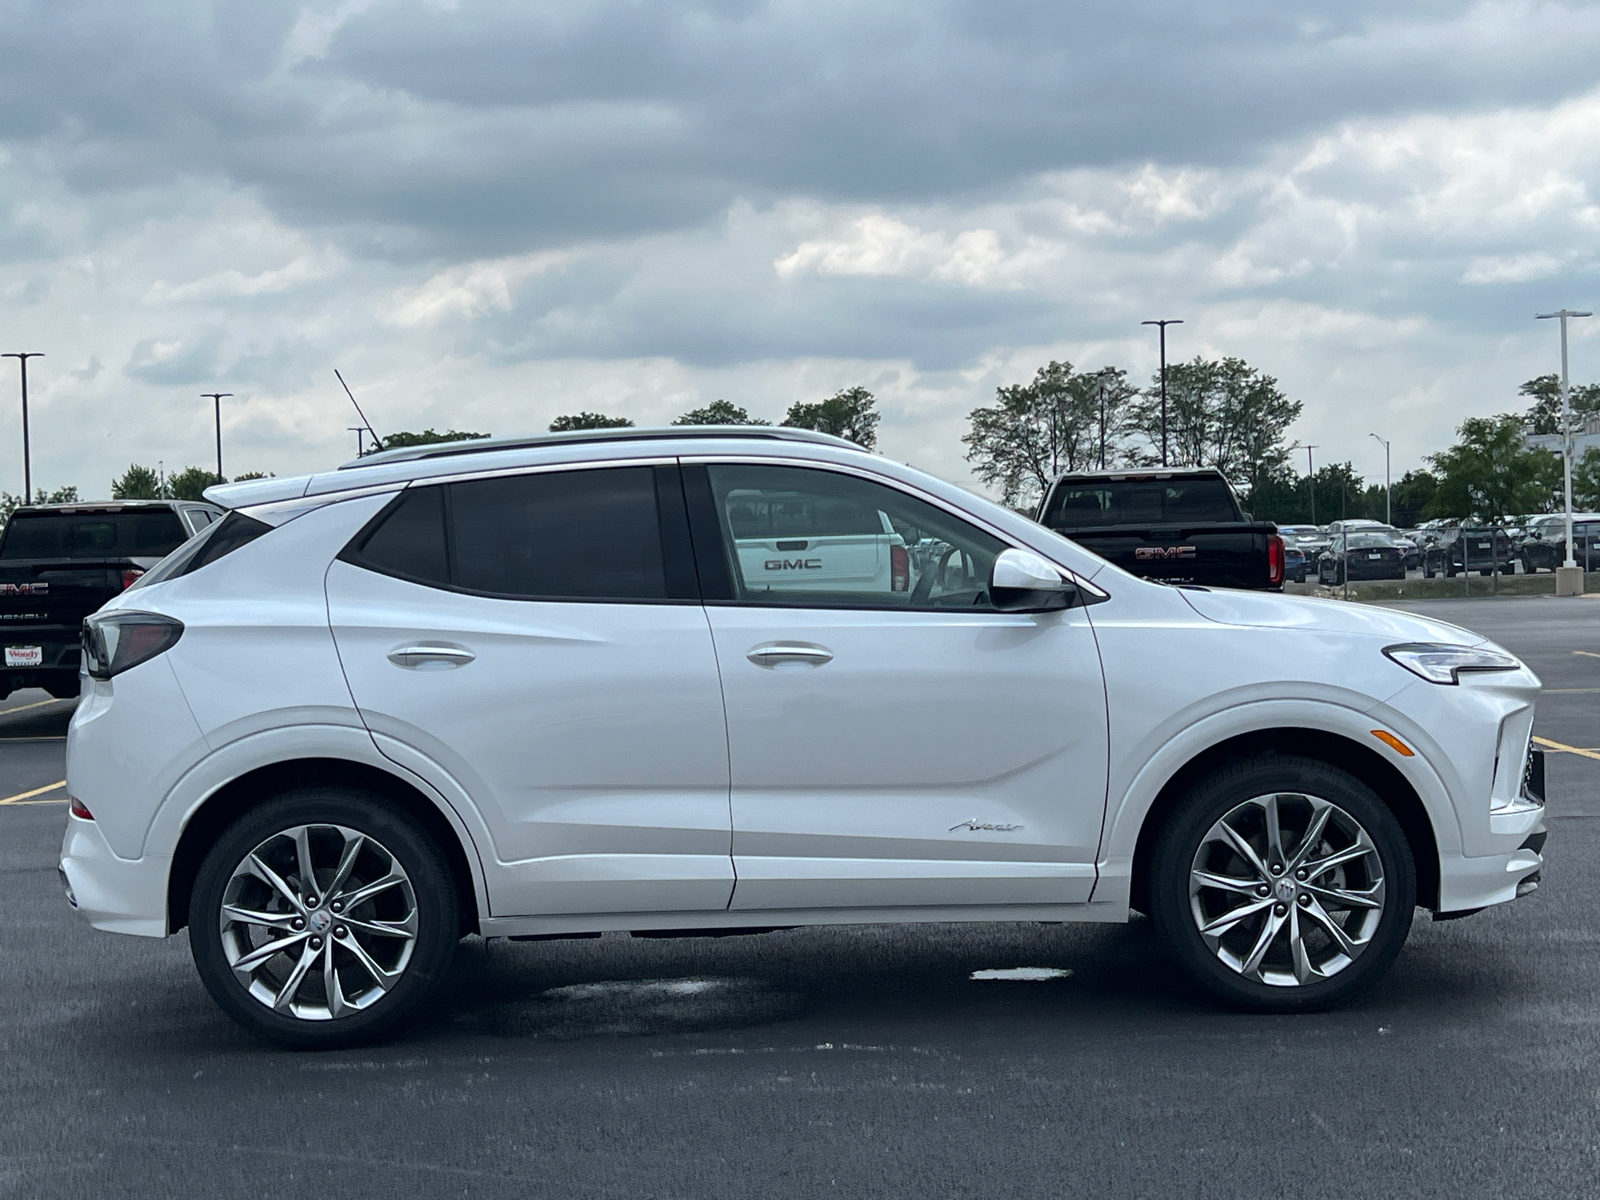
pixel 118 895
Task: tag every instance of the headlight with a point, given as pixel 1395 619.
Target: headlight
pixel 1439 663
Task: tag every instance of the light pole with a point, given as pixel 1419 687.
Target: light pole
pixel 1388 494
pixel 27 466
pixel 1101 376
pixel 1566 424
pixel 1311 484
pixel 1163 325
pixel 217 398
pixel 361 438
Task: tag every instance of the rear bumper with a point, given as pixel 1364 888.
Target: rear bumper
pixel 118 895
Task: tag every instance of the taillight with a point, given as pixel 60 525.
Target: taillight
pixel 1274 559
pixel 115 641
pixel 899 569
pixel 130 575
pixel 78 809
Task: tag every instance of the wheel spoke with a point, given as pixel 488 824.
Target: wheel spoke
pixel 1336 931
pixel 1225 883
pixel 271 878
pixel 1313 835
pixel 1242 848
pixel 251 916
pixel 1270 929
pixel 361 895
pixel 396 929
pixel 302 855
pixel 384 979
pixel 1338 858
pixel 291 985
pixel 252 959
pixel 330 983
pixel 1347 897
pixel 347 859
pixel 1221 925
pixel 1304 972
pixel 1274 832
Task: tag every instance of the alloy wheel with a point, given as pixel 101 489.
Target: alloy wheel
pixel 319 922
pixel 1287 889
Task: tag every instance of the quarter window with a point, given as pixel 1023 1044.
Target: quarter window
pixel 800 536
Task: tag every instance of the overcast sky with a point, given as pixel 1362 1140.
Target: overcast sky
pixel 489 213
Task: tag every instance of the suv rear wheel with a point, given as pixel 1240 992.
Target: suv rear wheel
pixel 322 918
pixel 1283 885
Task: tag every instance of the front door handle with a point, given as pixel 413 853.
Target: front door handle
pixel 435 656
pixel 773 653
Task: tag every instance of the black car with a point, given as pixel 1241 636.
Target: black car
pixel 60 562
pixel 1481 548
pixel 1361 556
pixel 1544 547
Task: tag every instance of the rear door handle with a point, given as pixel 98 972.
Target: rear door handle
pixel 773 653
pixel 425 656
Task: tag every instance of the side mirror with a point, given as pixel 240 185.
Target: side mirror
pixel 1023 582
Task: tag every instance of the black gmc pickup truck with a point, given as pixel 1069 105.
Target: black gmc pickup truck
pixel 1179 525
pixel 60 562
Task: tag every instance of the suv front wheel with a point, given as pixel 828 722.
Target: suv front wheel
pixel 1283 884
pixel 322 918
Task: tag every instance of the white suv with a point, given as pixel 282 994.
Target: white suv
pixel 537 688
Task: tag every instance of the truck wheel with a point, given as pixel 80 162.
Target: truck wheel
pixel 322 918
pixel 63 685
pixel 1282 884
pixel 1487 573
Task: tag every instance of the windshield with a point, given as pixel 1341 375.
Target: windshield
pixel 1202 500
pixel 131 533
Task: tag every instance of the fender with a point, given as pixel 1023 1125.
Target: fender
pixel 285 744
pixel 1126 814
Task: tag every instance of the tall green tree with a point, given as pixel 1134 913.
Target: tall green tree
pixel 588 420
pixel 851 414
pixel 1544 414
pixel 1035 431
pixel 1413 492
pixel 719 412
pixel 137 483
pixel 1221 413
pixel 1586 481
pixel 428 437
pixel 9 503
pixel 1490 472
pixel 191 483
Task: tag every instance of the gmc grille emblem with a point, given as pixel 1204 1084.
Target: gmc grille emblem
pixel 24 589
pixel 1145 553
pixel 794 564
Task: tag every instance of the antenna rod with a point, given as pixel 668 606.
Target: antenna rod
pixel 359 413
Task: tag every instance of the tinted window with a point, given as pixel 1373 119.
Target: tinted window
pixel 799 536
pixel 136 533
pixel 586 535
pixel 408 538
pixel 1140 502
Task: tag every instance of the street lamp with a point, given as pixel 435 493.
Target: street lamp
pixel 1566 425
pixel 27 467
pixel 1311 484
pixel 1101 376
pixel 217 398
pixel 1163 324
pixel 1388 495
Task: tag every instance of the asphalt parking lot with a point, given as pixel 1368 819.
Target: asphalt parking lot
pixel 855 1062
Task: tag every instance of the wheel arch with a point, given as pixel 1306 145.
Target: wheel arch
pixel 1335 749
pixel 254 787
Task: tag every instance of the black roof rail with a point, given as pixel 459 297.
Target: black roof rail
pixel 580 436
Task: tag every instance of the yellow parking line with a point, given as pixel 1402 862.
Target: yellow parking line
pixel 6 712
pixel 1566 691
pixel 1545 742
pixel 21 796
pixel 1587 653
pixel 26 803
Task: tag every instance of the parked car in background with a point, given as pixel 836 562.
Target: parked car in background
pixel 1544 545
pixel 1361 555
pixel 60 562
pixel 1174 526
pixel 1294 560
pixel 1481 548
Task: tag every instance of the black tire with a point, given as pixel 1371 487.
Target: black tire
pixel 1450 571
pixel 1428 572
pixel 1219 794
pixel 436 915
pixel 1487 573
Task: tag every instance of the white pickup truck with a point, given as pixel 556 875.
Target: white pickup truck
pixel 797 542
